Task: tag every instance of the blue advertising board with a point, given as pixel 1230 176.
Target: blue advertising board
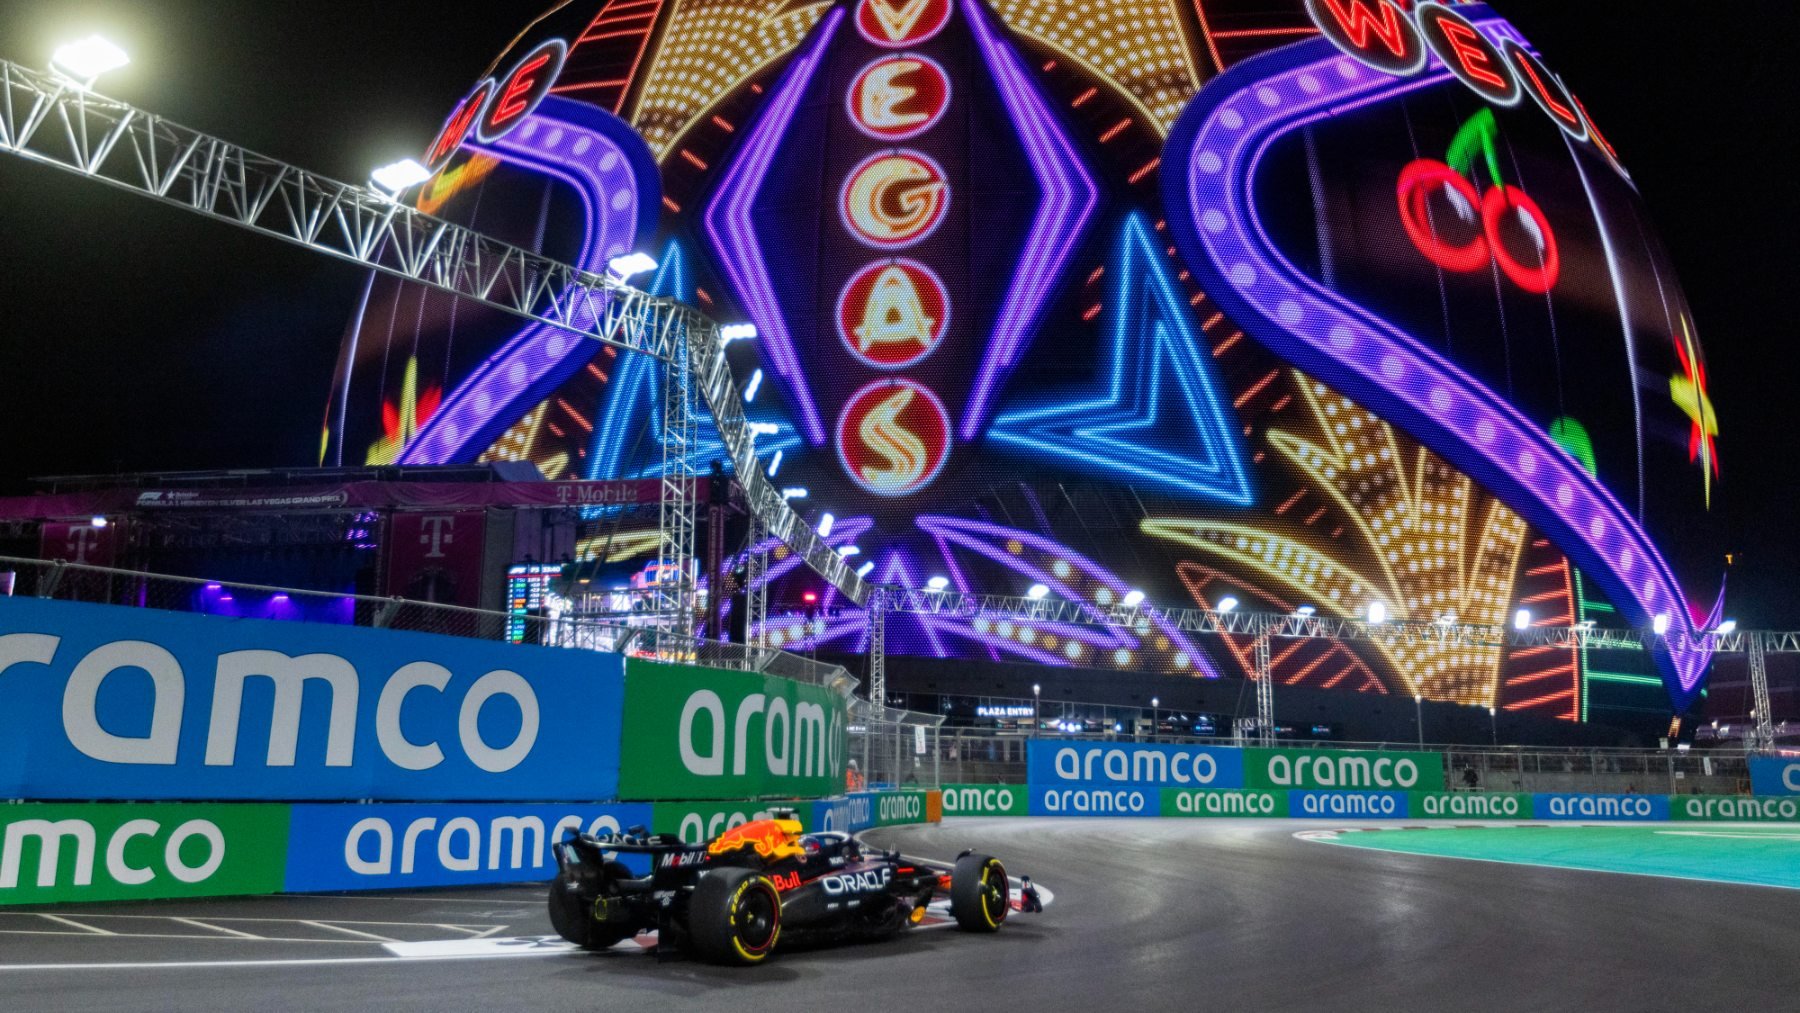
pixel 1568 806
pixel 1094 800
pixel 1347 804
pixel 849 814
pixel 1142 764
pixel 392 847
pixel 108 702
pixel 1775 775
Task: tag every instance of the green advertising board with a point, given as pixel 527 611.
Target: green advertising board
pixel 1473 805
pixel 140 851
pixel 1735 808
pixel 707 733
pixel 1343 770
pixel 699 822
pixel 986 800
pixel 1202 803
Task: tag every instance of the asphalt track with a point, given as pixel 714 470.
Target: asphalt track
pixel 1149 915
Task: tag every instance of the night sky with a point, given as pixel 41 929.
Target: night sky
pixel 137 338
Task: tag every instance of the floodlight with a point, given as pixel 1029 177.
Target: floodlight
pixel 1522 619
pixel 1377 613
pixel 1226 604
pixel 86 59
pixel 775 463
pixel 1728 626
pixel 825 523
pixel 736 332
pixel 753 386
pixel 866 569
pixel 1132 599
pixel 1037 592
pixel 1660 624
pixel 1305 610
pixel 850 550
pixel 631 264
pixel 937 583
pixel 401 175
pixel 98 521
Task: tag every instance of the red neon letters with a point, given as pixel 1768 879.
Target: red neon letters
pixel 493 108
pixel 1374 31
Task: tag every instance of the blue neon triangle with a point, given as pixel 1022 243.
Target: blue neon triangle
pixel 1159 417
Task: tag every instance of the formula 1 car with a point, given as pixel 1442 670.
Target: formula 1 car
pixel 730 900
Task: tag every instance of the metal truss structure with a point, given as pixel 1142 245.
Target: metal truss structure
pixel 1264 627
pixel 51 120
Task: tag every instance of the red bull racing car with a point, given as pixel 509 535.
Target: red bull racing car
pixel 731 900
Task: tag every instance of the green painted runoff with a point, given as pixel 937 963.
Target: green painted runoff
pixel 1763 856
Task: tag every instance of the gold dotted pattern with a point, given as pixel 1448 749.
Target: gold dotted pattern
pixel 1138 45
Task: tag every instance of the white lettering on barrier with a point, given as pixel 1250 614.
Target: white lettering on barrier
pixel 1135 766
pixel 1343 770
pixel 797 742
pixel 965 800
pixel 50 836
pixel 901 807
pixel 1225 803
pixel 1094 800
pixel 1790 777
pixel 81 723
pixel 1470 804
pixel 1700 808
pixel 1601 807
pixel 1347 804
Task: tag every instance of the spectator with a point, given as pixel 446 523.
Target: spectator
pixel 1471 780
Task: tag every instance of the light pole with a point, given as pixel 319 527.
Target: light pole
pixel 1155 719
pixel 1419 716
pixel 1035 721
pixel 1494 724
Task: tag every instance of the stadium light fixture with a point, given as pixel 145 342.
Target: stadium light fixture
pixel 1132 599
pixel 1660 624
pixel 736 332
pixel 1305 611
pixel 825 523
pixel 1226 604
pixel 1037 592
pixel 98 521
pixel 84 60
pixel 1377 613
pixel 850 550
pixel 1522 619
pixel 400 176
pixel 1728 626
pixel 630 265
pixel 938 583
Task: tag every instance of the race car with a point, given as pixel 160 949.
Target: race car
pixel 732 899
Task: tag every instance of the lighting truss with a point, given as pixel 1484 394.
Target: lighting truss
pixel 47 120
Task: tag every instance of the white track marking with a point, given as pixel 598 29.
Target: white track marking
pixel 306 962
pixel 1740 836
pixel 352 932
pixel 197 923
pixel 72 923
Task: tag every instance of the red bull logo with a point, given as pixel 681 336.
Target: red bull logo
pixel 770 839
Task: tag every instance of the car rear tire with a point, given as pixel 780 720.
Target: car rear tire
pixel 980 893
pixel 734 917
pixel 572 909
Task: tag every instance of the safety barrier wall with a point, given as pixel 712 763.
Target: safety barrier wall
pixel 60 852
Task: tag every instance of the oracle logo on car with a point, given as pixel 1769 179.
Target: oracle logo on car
pixel 871 881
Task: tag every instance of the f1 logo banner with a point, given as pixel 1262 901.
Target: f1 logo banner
pixel 1775 775
pixel 391 847
pixel 706 733
pixel 1145 764
pixel 56 853
pixel 112 702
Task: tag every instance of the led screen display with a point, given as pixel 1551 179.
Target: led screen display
pixel 1000 341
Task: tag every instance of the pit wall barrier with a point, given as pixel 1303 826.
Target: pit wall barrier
pixel 63 852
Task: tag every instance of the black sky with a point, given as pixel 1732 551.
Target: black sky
pixel 134 337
